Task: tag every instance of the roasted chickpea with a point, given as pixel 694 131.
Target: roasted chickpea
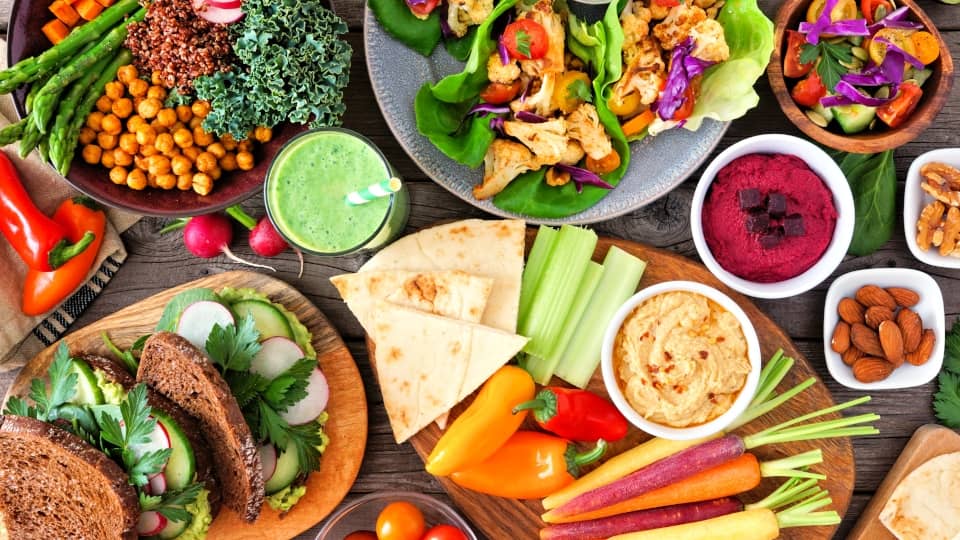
pixel 183 138
pixel 164 143
pixel 245 146
pixel 201 137
pixel 147 150
pixel 157 126
pixel 151 180
pixel 128 143
pixel 137 101
pixel 245 160
pixel 216 173
pixel 202 183
pixel 138 87
pixel 94 119
pixel 107 141
pixel 149 107
pixel 200 108
pixel 146 135
pixel 156 77
pixel 106 159
pixel 185 181
pixel 206 162
pixel 114 89
pixel 158 92
pixel 137 179
pixel 87 135
pixel 91 154
pixel 118 175
pixel 104 103
pixel 122 158
pixel 111 124
pixel 184 114
pixel 167 117
pixel 180 164
pixel 217 149
pixel 229 143
pixel 166 181
pixel 158 164
pixel 177 127
pixel 191 152
pixel 127 73
pixel 194 122
pixel 122 107
pixel 262 133
pixel 140 162
pixel 134 123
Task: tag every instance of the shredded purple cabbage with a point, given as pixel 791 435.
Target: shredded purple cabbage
pixel 444 25
pixel 683 68
pixel 486 108
pixel 823 25
pixel 848 94
pixel 504 53
pixel 904 55
pixel 416 2
pixel 496 124
pixel 529 117
pixel 895 19
pixel 583 177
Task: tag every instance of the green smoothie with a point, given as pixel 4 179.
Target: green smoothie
pixel 306 191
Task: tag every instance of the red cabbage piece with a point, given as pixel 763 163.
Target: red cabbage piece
pixel 583 177
pixel 904 55
pixel 823 25
pixel 895 19
pixel 504 53
pixel 683 68
pixel 529 117
pixel 848 94
pixel 496 124
pixel 486 108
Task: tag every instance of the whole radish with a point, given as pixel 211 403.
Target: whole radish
pixel 265 240
pixel 209 235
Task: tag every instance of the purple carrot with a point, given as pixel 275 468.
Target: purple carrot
pixel 642 520
pixel 656 475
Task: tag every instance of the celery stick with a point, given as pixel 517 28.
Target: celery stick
pixel 621 275
pixel 536 263
pixel 548 363
pixel 555 293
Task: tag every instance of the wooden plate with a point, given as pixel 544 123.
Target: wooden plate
pixel 508 518
pixel 928 442
pixel 347 426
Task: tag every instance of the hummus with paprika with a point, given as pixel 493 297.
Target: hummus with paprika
pixel 681 359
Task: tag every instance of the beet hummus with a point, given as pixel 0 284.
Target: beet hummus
pixel 768 217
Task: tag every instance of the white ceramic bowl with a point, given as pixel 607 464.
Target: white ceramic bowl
pixel 930 310
pixel 914 199
pixel 825 168
pixel 610 379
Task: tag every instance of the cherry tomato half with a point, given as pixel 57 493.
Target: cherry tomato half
pixel 361 535
pixel 526 39
pixel 424 9
pixel 400 521
pixel 844 10
pixel 874 10
pixel 792 67
pixel 499 93
pixel 444 532
pixel 809 91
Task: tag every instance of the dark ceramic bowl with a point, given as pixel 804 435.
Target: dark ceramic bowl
pixel 25 39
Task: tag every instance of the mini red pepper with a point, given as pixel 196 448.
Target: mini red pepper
pixel 530 465
pixel 579 415
pixel 897 110
pixel 39 240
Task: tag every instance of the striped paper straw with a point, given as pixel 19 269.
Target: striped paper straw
pixel 374 192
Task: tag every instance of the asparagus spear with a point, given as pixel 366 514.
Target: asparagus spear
pixel 67 110
pixel 12 133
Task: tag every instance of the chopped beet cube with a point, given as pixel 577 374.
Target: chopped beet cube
pixel 750 199
pixel 758 222
pixel 771 239
pixel 793 225
pixel 776 204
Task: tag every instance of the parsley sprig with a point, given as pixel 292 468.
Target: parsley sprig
pixel 946 402
pixel 63 386
pixel 579 89
pixel 125 441
pixel 829 66
pixel 522 42
pixel 170 504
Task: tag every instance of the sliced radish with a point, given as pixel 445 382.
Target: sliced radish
pixel 268 460
pixel 151 523
pixel 215 14
pixel 276 355
pixel 158 484
pixel 224 4
pixel 310 407
pixel 159 440
pixel 198 319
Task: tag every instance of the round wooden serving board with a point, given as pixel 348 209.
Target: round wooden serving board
pixel 347 426
pixel 500 518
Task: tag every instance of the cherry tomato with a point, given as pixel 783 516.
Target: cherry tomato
pixel 809 91
pixel 400 521
pixel 565 92
pixel 874 10
pixel 667 3
pixel 791 59
pixel 499 93
pixel 424 9
pixel 361 535
pixel 844 10
pixel 526 39
pixel 878 49
pixel 896 111
pixel 444 532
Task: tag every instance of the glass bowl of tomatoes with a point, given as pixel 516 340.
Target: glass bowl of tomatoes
pixel 396 515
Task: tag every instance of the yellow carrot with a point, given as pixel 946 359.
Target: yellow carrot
pixel 756 524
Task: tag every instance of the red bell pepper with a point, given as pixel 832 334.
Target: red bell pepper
pixel 791 58
pixel 809 91
pixel 897 110
pixel 576 414
pixel 39 240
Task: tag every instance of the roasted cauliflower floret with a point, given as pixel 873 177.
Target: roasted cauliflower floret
pixel 635 20
pixel 499 73
pixel 573 153
pixel 645 71
pixel 658 12
pixel 547 140
pixel 709 42
pixel 504 161
pixel 584 125
pixel 557 178
pixel 461 14
pixel 676 27
pixel 540 102
pixel 552 62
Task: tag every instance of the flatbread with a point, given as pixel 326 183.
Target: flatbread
pixel 926 504
pixel 490 248
pixel 449 293
pixel 426 364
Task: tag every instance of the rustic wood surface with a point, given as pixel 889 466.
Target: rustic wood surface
pixel 160 262
pixel 347 407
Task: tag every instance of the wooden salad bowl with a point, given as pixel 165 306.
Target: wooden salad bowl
pixel 935 93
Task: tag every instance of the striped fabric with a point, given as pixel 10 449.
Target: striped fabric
pixel 55 325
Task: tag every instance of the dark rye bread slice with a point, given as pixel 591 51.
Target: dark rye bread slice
pixel 114 372
pixel 176 369
pixel 55 485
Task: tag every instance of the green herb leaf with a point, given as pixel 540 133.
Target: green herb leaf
pixel 63 385
pixel 232 347
pixel 946 402
pixel 522 43
pixel 873 180
pixel 140 469
pixel 18 407
pixel 828 68
pixel 951 353
pixel 128 358
pixel 170 504
pixel 809 53
pixel 246 386
pixel 290 386
pixel 176 305
pixel 579 89
pixel 136 416
pixel 421 35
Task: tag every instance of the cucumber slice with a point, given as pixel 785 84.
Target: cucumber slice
pixel 88 392
pixel 181 466
pixel 173 529
pixel 267 318
pixel 285 473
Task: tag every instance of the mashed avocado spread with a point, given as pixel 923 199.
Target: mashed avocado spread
pixel 284 499
pixel 200 508
pixel 113 393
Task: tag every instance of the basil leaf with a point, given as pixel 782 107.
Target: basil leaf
pixel 462 138
pixel 873 180
pixel 397 19
pixel 459 47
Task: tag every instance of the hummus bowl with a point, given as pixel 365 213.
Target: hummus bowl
pixel 686 354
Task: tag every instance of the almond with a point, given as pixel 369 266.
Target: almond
pixel 876 315
pixel 924 350
pixel 851 355
pixel 866 340
pixel 891 341
pixel 912 328
pixel 850 311
pixel 870 369
pixel 840 341
pixel 871 295
pixel 904 297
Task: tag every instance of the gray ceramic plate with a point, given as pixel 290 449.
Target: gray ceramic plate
pixel 657 164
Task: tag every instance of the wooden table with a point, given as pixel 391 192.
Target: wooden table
pixel 159 262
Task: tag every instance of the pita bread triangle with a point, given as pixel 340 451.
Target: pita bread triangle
pixel 925 504
pixel 426 364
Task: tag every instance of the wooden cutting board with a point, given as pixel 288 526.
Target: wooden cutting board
pixel 928 442
pixel 347 427
pixel 501 518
